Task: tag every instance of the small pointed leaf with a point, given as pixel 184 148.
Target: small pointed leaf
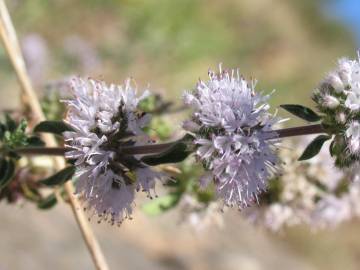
pixel 48 202
pixel 314 147
pixel 2 131
pixel 302 112
pixel 35 141
pixel 60 177
pixel 10 123
pixel 176 153
pixel 55 127
pixel 8 173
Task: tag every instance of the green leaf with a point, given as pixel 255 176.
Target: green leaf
pixel 302 112
pixel 7 173
pixel 176 153
pixel 59 178
pixel 35 141
pixel 10 123
pixel 48 202
pixel 314 147
pixel 55 127
pixel 2 131
pixel 161 204
pixel 3 167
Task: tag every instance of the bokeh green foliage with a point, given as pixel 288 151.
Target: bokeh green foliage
pixel 171 43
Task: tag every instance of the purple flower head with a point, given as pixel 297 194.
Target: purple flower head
pixel 233 141
pixel 105 118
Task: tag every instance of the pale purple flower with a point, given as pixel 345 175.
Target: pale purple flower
pixel 37 57
pixel 235 138
pixel 104 119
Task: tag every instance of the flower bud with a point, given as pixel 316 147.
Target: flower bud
pixel 336 83
pixel 353 138
pixel 341 118
pixel 345 76
pixel 330 102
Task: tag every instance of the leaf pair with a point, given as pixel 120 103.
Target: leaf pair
pixel 309 115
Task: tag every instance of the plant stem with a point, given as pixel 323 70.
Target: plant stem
pixel 12 47
pixel 158 148
pixel 298 131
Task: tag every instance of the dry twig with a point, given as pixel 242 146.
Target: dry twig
pixel 12 47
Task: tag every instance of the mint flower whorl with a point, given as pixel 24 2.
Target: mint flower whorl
pixel 232 128
pixel 338 98
pixel 104 119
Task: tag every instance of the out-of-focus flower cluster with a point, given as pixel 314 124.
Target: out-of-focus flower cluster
pixel 312 192
pixel 338 98
pixel 233 131
pixel 199 215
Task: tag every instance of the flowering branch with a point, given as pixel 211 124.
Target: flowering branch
pixel 161 147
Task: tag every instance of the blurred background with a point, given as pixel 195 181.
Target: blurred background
pixel 287 44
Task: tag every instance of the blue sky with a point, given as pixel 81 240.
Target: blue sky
pixel 347 11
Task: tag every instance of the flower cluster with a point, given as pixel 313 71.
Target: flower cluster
pixel 338 98
pixel 105 119
pixel 234 136
pixel 312 192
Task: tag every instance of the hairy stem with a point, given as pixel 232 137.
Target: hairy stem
pixel 298 131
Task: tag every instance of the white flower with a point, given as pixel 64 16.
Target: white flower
pixel 334 80
pixel 353 98
pixel 105 119
pixel 353 137
pixel 233 139
pixel 345 79
pixel 341 118
pixel 338 100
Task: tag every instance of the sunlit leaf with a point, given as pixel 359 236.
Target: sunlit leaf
pixel 55 127
pixel 302 112
pixel 60 177
pixel 314 147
